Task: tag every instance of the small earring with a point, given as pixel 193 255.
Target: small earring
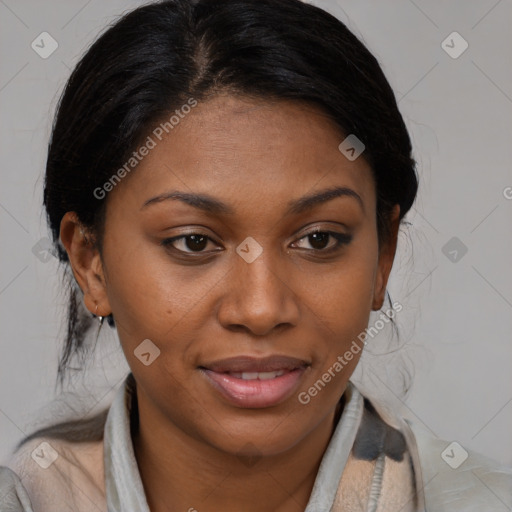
pixel 100 320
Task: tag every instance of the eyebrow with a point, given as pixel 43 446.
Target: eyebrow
pixel 213 206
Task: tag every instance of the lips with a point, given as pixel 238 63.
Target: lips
pixel 251 382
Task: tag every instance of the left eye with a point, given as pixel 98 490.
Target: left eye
pixel 319 240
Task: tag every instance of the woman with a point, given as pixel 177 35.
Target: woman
pixel 226 181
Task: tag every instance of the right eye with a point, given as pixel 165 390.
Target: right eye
pixel 194 242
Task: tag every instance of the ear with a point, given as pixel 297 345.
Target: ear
pixel 86 264
pixel 386 257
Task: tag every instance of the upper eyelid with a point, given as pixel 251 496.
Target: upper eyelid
pixel 313 230
pixel 316 227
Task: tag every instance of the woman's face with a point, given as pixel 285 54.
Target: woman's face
pixel 248 309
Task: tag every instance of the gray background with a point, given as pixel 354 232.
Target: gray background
pixel 457 319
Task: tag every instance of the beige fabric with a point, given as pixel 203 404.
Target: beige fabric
pixel 397 488
pixel 75 480
pixel 354 488
pixel 390 482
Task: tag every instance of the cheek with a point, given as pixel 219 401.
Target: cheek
pixel 142 286
pixel 151 298
pixel 342 302
pixel 350 309
pixel 342 315
pixel 343 297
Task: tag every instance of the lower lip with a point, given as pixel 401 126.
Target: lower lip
pixel 255 393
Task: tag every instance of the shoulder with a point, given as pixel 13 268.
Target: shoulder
pixel 56 472
pixel 448 476
pixel 456 478
pixel 13 495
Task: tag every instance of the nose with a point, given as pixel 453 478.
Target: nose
pixel 259 298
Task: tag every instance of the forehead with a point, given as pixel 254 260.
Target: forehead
pixel 245 151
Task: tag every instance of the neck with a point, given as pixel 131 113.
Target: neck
pixel 180 472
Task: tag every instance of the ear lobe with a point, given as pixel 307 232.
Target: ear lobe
pixel 386 257
pixel 86 264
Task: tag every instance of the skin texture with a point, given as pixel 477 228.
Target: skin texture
pixel 256 156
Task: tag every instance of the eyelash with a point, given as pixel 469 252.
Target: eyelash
pixel 342 239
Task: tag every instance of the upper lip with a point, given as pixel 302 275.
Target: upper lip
pixel 254 364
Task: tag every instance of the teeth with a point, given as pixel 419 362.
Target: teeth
pixel 250 375
pixel 270 375
pixel 258 375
